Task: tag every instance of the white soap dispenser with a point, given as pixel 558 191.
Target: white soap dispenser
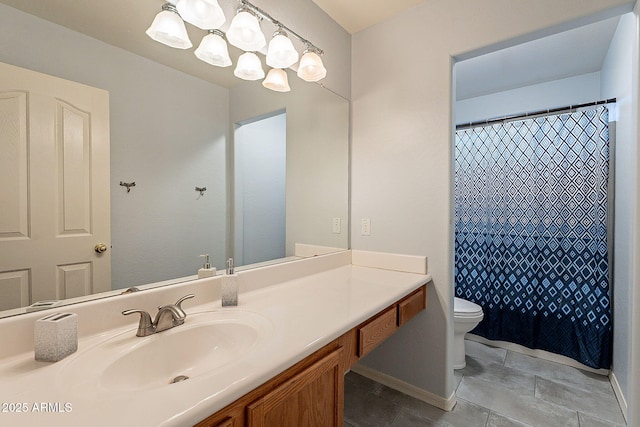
pixel 230 286
pixel 206 270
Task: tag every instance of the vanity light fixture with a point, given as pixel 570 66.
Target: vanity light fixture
pixel 311 68
pixel 213 49
pixel 249 67
pixel 245 32
pixel 168 28
pixel 204 14
pixel 277 80
pixel 281 53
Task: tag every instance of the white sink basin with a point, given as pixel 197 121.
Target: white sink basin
pixel 206 342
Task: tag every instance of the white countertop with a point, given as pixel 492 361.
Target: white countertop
pixel 306 313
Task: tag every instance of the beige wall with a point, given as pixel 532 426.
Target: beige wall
pixel 402 150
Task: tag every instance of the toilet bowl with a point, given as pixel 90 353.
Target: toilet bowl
pixel 466 316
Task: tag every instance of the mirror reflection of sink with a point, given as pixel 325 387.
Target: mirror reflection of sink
pixel 206 342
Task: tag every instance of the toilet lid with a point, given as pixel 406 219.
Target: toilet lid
pixel 464 308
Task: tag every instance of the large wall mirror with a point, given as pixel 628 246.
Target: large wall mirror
pixel 169 131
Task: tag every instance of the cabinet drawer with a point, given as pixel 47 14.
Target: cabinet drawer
pixel 376 331
pixel 411 305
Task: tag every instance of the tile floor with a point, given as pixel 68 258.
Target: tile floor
pixel 498 388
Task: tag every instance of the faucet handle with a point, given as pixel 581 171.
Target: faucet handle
pixel 178 307
pixel 186 297
pixel 145 327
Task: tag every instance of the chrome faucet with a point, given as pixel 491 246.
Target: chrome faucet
pixel 168 316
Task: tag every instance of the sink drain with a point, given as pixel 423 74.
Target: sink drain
pixel 178 379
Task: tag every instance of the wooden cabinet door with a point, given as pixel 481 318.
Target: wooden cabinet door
pixel 312 398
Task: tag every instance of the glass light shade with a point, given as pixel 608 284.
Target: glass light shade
pixel 249 67
pixel 213 50
pixel 204 14
pixel 277 80
pixel 311 68
pixel 245 33
pixel 168 28
pixel 281 53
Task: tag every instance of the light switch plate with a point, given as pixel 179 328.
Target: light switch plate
pixel 365 227
pixel 337 226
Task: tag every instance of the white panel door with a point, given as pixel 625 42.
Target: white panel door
pixel 54 188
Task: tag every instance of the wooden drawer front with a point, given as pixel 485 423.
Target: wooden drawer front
pixel 411 305
pixel 376 331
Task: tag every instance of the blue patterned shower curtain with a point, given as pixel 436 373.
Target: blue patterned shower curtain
pixel 531 232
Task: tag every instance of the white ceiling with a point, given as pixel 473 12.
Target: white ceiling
pixel 571 53
pixel 356 15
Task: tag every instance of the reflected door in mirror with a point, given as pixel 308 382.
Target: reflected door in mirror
pixel 54 188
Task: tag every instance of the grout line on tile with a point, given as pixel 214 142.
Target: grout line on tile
pixel 486 423
pixel 509 417
pixel 595 417
pixel 402 409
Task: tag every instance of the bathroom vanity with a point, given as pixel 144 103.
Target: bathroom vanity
pixel 311 393
pixel 278 358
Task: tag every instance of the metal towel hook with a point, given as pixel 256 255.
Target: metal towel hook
pixel 128 185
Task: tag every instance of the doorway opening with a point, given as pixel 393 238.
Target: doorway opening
pixel 540 75
pixel 260 189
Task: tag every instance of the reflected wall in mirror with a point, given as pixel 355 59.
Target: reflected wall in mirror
pixel 171 132
pixel 317 157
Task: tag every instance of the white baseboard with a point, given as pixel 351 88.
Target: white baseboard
pixel 619 395
pixel 541 354
pixel 446 404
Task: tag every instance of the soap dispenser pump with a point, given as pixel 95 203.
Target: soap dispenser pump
pixel 230 286
pixel 206 270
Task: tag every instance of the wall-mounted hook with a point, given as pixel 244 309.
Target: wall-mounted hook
pixel 201 190
pixel 128 185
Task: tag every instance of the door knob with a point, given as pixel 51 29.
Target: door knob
pixel 100 248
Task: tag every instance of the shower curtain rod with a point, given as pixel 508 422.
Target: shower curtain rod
pixel 531 114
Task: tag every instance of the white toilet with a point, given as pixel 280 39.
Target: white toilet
pixel 466 316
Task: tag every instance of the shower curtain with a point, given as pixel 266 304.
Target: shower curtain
pixel 531 232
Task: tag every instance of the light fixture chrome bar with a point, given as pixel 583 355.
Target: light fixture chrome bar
pixel 264 15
